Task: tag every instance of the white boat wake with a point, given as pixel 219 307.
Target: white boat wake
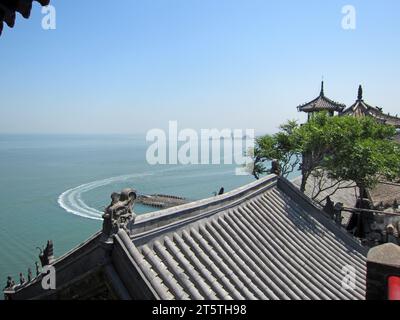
pixel 72 202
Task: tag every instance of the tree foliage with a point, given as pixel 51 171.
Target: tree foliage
pixel 346 148
pixel 281 146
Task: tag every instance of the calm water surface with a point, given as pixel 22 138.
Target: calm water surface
pixel 36 169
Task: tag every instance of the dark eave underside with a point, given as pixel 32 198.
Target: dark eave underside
pixel 374 112
pixel 322 103
pixel 9 8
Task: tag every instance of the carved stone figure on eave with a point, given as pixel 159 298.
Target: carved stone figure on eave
pixel 46 255
pixel 119 213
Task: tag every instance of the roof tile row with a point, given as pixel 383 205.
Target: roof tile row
pixel 266 248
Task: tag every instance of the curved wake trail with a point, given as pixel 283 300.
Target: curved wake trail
pixel 72 202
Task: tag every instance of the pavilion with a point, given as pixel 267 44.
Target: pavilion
pixel 361 109
pixel 321 103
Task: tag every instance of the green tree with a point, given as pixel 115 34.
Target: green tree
pixel 357 150
pixel 281 147
pixel 315 143
pixel 364 152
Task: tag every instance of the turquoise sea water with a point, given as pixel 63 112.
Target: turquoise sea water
pixel 36 169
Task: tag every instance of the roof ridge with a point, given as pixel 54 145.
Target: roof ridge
pixel 322 102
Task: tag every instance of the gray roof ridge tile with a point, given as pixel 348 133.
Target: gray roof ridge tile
pixel 330 235
pixel 228 270
pixel 184 263
pixel 201 268
pixel 265 241
pixel 240 261
pixel 282 272
pixel 167 277
pixel 259 275
pixel 318 256
pixel 177 271
pixel 331 247
pixel 253 231
pixel 312 249
pixel 239 279
pixel 315 272
pixel 309 254
pixel 227 284
pixel 317 215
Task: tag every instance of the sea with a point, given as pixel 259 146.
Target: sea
pixel 55 187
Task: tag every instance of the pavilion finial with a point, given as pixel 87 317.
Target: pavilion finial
pixel 360 93
pixel 322 88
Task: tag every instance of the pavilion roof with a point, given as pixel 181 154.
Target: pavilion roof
pixel 9 8
pixel 321 103
pixel 361 108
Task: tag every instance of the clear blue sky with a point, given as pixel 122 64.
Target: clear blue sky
pixel 206 63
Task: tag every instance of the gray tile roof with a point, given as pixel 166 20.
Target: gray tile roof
pixel 361 108
pixel 272 244
pixel 321 103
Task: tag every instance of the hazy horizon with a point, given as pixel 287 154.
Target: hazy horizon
pixel 207 64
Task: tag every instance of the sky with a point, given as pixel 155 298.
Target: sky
pixel 239 64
